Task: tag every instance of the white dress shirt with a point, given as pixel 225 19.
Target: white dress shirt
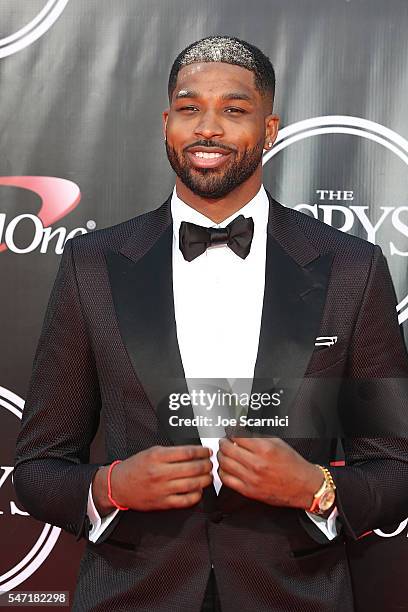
pixel 214 295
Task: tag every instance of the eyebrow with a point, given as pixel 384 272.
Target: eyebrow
pixel 235 95
pixel 186 93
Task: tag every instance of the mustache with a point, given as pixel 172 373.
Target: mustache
pixel 210 143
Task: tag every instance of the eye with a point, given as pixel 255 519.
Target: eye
pixel 234 110
pixel 188 108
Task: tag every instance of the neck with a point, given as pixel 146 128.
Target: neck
pixel 221 208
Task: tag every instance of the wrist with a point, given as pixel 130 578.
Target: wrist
pixel 100 491
pixel 325 497
pixel 314 479
pixel 112 498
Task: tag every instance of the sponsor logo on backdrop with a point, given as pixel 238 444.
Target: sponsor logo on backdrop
pixel 58 198
pixel 43 544
pixel 33 30
pixel 332 203
pixel 383 534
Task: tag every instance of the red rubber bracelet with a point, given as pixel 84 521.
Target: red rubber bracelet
pixel 112 501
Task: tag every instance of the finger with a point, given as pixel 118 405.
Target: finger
pixel 234 468
pixel 232 482
pixel 185 469
pixel 184 500
pixel 240 454
pixel 187 485
pixel 188 452
pixel 252 445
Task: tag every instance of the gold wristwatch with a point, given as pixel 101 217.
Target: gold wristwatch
pixel 325 497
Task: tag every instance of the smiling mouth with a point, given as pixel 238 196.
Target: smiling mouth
pixel 207 159
pixel 205 155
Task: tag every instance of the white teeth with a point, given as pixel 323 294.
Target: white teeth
pixel 206 155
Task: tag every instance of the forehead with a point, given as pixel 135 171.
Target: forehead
pixel 216 77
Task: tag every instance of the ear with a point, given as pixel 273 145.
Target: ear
pixel 165 117
pixel 271 131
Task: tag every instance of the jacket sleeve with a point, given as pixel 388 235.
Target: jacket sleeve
pixel 372 488
pixel 61 414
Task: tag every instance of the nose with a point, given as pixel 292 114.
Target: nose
pixel 208 126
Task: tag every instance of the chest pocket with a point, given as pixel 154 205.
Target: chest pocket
pixel 326 357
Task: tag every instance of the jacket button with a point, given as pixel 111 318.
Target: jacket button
pixel 216 517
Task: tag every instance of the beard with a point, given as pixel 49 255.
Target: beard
pixel 214 183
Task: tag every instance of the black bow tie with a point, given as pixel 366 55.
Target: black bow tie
pixel 194 239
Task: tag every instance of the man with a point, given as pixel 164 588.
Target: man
pixel 221 283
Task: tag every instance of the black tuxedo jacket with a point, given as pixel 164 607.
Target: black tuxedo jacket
pixel 109 346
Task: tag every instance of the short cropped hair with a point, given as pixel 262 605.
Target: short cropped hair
pixel 229 50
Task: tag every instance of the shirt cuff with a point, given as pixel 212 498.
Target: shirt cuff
pixel 327 526
pixel 98 524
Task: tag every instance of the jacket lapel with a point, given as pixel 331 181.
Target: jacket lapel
pixel 296 282
pixel 141 282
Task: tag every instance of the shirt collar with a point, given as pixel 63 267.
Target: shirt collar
pixel 257 208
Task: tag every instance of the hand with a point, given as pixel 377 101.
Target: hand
pixel 158 478
pixel 268 470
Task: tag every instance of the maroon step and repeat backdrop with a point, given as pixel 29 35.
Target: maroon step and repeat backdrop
pixel 83 85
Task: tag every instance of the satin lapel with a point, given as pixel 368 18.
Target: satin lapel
pixel 141 282
pixel 296 282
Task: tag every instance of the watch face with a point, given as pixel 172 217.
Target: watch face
pixel 327 500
